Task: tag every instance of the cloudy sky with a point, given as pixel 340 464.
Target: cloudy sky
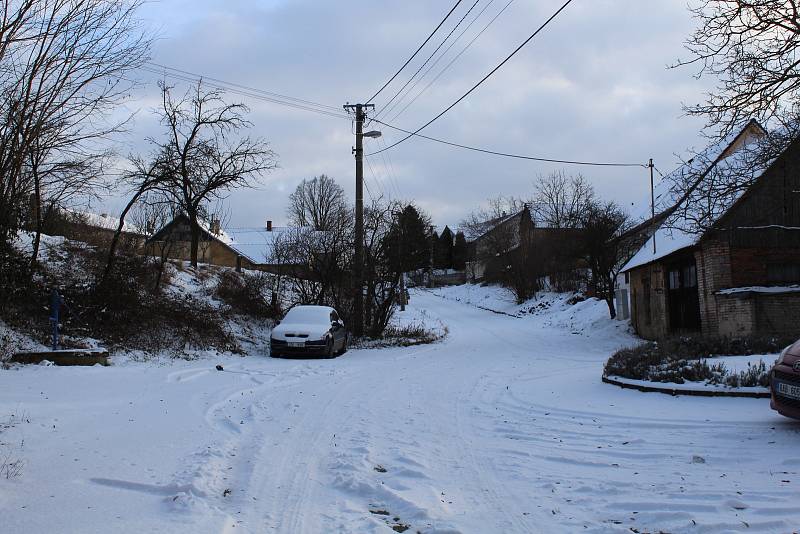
pixel 592 86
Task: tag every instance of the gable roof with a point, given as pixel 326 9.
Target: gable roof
pixel 255 244
pixel 492 224
pixel 733 156
pixel 667 195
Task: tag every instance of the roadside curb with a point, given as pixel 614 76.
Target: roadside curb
pixel 690 392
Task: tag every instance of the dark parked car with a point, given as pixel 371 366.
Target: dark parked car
pixel 309 331
pixel 785 382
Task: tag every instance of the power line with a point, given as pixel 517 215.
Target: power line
pixel 415 53
pixel 231 88
pixel 465 95
pixel 422 66
pixel 507 154
pixel 390 170
pixel 456 58
pixel 244 87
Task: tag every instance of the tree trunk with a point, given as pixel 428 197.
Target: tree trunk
pixel 195 228
pixel 612 309
pixel 112 250
pixel 611 288
pixel 37 199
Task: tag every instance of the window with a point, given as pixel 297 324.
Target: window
pixel 690 276
pixel 674 279
pixel 334 317
pixel 781 273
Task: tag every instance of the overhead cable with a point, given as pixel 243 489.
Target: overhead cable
pixel 422 66
pixel 415 53
pixel 465 95
pixel 507 154
pixel 452 61
pixel 232 88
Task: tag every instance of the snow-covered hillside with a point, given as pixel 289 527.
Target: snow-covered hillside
pixel 503 426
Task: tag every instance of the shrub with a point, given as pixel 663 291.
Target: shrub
pixel 685 358
pixel 246 293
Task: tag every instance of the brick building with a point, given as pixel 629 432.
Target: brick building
pixel 724 263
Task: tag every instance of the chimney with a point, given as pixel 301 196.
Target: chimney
pixel 215 228
pixel 269 226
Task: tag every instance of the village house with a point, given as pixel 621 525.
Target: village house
pixel 252 248
pixel 513 242
pixel 717 263
pixel 97 229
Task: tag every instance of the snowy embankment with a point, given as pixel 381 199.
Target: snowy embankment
pixel 504 426
pixel 561 310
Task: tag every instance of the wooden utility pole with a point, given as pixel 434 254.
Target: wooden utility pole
pixel 652 203
pixel 433 254
pixel 358 257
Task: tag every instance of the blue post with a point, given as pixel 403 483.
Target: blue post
pixel 55 309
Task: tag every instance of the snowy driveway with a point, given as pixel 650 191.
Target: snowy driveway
pixel 504 427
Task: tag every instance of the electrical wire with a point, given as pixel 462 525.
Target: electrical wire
pixel 422 66
pixel 245 87
pixel 438 59
pixel 416 52
pixel 452 61
pixel 507 154
pixel 465 95
pixel 390 170
pixel 256 94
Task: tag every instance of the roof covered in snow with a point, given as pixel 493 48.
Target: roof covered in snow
pixel 733 156
pixel 258 244
pixel 102 220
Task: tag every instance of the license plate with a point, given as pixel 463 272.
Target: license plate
pixel 788 390
pixel 297 345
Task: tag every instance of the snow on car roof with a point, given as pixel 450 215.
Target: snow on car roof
pixel 306 314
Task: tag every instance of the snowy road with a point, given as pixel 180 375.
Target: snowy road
pixel 503 427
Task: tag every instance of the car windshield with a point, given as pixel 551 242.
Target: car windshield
pixel 308 315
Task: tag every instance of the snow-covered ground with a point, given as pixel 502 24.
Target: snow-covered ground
pixel 504 426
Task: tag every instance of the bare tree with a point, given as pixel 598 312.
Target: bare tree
pixel 602 224
pixel 559 200
pixel 150 215
pixel 320 204
pixel 201 158
pixel 145 178
pixel 752 48
pixel 62 72
pixel 482 219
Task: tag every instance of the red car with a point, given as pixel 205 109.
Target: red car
pixel 785 382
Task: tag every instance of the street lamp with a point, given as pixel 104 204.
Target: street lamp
pixel 374 134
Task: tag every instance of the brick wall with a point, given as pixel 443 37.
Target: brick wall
pixel 778 313
pixel 737 315
pixel 650 320
pixel 713 273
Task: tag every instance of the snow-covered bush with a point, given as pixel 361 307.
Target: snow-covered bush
pixel 682 359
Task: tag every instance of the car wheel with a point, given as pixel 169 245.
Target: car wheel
pixel 344 345
pixel 329 349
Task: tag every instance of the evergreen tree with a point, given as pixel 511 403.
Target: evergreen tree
pixel 410 240
pixel 443 258
pixel 460 252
